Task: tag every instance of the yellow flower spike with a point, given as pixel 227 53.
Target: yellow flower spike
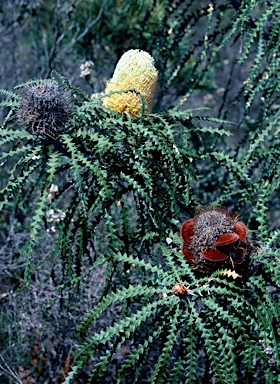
pixel 135 70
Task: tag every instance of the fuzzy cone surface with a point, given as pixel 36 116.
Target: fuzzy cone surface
pixel 135 70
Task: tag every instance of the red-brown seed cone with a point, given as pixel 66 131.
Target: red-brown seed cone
pixel 187 231
pixel 226 239
pixel 241 230
pixel 214 255
pixel 213 240
pixel 188 255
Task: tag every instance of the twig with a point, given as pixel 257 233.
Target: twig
pixel 9 372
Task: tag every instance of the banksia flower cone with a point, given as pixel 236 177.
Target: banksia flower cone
pixel 45 107
pixel 215 239
pixel 135 70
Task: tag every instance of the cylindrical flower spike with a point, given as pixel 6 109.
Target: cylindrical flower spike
pixel 135 70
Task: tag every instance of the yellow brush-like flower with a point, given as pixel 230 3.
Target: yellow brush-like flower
pixel 135 70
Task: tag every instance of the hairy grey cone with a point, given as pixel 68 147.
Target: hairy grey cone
pixel 45 107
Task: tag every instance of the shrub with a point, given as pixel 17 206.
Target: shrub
pixel 109 192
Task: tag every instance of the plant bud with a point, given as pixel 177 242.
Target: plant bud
pixel 179 290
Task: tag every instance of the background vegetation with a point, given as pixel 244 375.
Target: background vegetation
pixel 102 253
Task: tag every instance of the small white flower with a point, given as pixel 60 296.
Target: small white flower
pixel 89 64
pixel 176 149
pixel 52 230
pixel 53 188
pixel 85 73
pixel 85 68
pixel 55 216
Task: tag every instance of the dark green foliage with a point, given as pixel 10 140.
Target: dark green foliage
pixel 107 158
pixel 124 185
pixel 231 322
pixel 147 164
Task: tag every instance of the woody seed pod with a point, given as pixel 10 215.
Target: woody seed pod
pixel 215 239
